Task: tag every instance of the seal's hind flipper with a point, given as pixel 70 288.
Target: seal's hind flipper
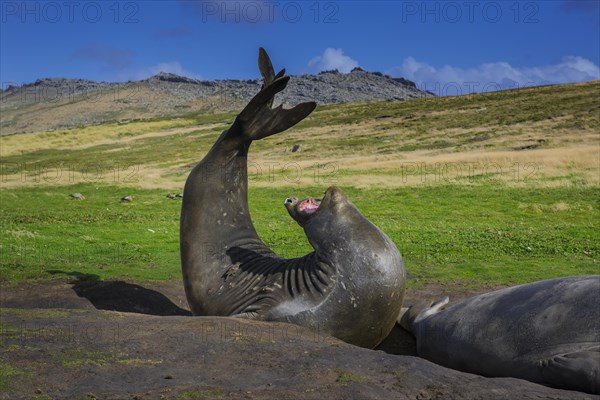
pixel 576 371
pixel 266 70
pixel 258 120
pixel 266 67
pixel 438 305
pixel 407 317
pixel 280 74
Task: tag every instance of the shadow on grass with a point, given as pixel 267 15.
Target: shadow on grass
pixel 122 296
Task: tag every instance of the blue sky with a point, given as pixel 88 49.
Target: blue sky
pixel 449 47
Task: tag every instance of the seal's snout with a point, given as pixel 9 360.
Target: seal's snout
pixel 334 195
pixel 334 191
pixel 290 201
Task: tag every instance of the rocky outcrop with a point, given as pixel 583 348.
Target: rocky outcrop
pixel 33 107
pixel 118 340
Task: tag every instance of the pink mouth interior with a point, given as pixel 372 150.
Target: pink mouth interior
pixel 309 206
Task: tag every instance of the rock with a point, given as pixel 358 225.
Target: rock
pixel 406 82
pixel 77 196
pixel 120 340
pixel 180 195
pixel 126 355
pixel 171 196
pixel 296 148
pixel 127 199
pixel 331 71
pixel 168 77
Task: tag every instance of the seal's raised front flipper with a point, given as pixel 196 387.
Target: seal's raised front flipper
pixel 576 371
pixel 258 120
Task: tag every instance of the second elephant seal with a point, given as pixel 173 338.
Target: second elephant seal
pixel 546 332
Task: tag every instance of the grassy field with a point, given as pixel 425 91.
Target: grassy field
pixel 490 189
pixel 475 235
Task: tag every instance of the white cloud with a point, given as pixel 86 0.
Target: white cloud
pixel 332 59
pixel 450 80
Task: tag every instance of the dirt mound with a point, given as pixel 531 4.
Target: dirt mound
pixel 59 341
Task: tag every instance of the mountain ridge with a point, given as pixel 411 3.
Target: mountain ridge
pixel 62 103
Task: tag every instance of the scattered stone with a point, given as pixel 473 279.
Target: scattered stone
pixel 127 199
pixel 296 148
pixel 527 147
pixel 77 196
pixel 169 77
pixel 180 195
pixel 171 196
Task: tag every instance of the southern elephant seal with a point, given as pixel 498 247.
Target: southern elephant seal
pixel 350 287
pixel 546 332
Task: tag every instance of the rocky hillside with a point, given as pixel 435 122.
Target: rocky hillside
pixel 58 103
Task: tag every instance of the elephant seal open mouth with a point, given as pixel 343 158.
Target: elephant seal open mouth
pixel 350 287
pixel 302 210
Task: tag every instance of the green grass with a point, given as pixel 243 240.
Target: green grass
pixel 477 229
pixel 78 358
pixel 46 234
pixel 350 376
pixel 35 312
pixel 507 107
pixel 7 373
pixel 472 235
pixel 563 112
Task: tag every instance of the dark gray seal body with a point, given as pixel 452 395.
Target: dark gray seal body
pixel 350 287
pixel 546 332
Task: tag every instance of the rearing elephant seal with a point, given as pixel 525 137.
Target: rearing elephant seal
pixel 350 287
pixel 546 332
